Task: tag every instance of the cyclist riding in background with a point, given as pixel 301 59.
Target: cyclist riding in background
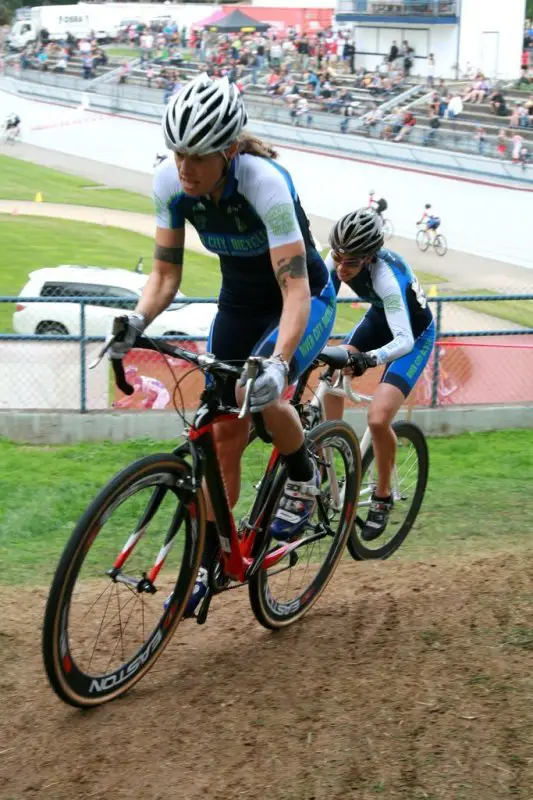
pixel 397 331
pixel 380 205
pixel 12 126
pixel 430 220
pixel 276 300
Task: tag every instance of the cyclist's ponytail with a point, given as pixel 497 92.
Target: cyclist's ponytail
pixel 253 146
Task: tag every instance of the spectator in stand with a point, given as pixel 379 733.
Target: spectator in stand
pixel 514 121
pixel 431 69
pixel 523 116
pixel 497 102
pixel 373 118
pixel 87 66
pixel 124 73
pixel 61 63
pixel 408 123
pixel 393 53
pixel 149 76
pixel 478 91
pixel 434 125
pixel 503 141
pixel 524 68
pixel 299 110
pixel 480 137
pixel 349 54
pixel 455 107
pixel 524 157
pixel 276 53
pixel 42 60
pixel 443 105
pixel 394 124
pixel 517 141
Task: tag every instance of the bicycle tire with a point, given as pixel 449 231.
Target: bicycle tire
pixel 267 610
pixel 440 244
pixel 69 682
pixel 358 549
pixel 388 229
pixel 422 240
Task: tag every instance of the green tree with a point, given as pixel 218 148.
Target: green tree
pixel 529 9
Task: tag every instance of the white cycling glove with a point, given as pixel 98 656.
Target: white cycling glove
pixel 136 326
pixel 268 386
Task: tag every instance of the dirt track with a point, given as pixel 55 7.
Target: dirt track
pixel 405 681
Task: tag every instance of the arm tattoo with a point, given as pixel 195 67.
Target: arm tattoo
pixel 172 255
pixel 294 267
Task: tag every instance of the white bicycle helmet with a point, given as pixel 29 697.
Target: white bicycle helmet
pixel 206 116
pixel 359 233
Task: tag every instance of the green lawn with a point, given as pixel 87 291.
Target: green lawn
pixel 477 498
pixel 56 242
pixel 518 311
pixel 20 180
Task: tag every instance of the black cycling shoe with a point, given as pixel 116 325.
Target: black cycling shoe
pixel 378 517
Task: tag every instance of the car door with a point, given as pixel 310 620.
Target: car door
pixel 102 310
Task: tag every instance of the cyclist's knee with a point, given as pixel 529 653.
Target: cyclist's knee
pixel 379 419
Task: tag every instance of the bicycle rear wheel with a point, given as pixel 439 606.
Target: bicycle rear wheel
pixel 105 623
pixel 408 486
pixel 422 240
pixel 441 246
pixel 286 591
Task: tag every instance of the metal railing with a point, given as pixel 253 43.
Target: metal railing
pixel 83 339
pixel 400 8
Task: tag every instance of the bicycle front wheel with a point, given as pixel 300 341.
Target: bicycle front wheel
pixel 139 541
pixel 422 240
pixel 285 592
pixel 409 481
pixel 441 246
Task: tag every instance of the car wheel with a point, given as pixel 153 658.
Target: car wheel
pixel 51 328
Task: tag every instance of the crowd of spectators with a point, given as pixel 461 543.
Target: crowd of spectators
pixel 47 56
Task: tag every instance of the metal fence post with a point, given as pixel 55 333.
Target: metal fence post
pixel 435 381
pixel 83 360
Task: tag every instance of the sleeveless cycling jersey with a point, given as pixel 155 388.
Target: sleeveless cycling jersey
pixel 399 312
pixel 259 209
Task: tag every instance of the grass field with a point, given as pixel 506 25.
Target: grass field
pixel 518 311
pixel 475 501
pixel 56 242
pixel 21 180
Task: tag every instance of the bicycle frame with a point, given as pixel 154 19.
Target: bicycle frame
pixel 342 387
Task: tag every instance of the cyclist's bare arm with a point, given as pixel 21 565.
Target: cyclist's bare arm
pixel 165 278
pixel 290 268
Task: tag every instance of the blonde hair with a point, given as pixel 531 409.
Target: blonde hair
pixel 254 146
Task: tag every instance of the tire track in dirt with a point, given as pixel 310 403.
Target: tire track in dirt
pixel 402 682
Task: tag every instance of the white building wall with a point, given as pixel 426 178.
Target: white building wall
pixel 491 34
pixel 441 40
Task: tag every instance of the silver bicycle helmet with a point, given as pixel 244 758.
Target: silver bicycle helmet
pixel 206 116
pixel 359 233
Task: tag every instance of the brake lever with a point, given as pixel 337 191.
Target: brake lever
pixel 118 330
pixel 255 367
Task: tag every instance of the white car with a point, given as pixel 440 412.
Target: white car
pixel 188 319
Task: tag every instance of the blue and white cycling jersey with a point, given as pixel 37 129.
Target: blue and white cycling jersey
pixel 399 313
pixel 259 210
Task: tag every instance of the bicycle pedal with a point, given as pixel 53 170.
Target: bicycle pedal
pixel 203 611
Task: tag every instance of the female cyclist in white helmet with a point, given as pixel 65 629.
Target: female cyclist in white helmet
pixel 275 290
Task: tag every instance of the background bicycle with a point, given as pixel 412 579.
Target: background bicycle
pixel 426 237
pixel 411 467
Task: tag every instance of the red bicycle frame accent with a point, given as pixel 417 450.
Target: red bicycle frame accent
pixel 235 551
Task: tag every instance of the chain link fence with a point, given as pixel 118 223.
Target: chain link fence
pixel 49 344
